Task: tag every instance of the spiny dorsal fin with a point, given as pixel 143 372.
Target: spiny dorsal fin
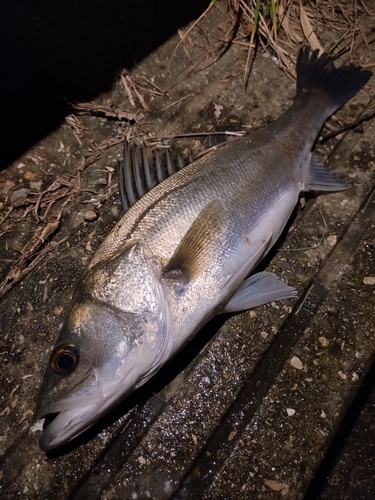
pixel 191 256
pixel 143 168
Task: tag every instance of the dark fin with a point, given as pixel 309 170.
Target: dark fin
pixel 191 256
pixel 143 168
pixel 258 290
pixel 317 73
pixel 319 178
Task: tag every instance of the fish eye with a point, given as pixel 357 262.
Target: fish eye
pixel 64 359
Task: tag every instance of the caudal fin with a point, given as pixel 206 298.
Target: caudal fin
pixel 317 73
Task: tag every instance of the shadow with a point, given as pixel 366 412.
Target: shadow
pixel 365 393
pixel 53 53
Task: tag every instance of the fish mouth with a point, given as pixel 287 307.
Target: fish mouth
pixel 60 427
pixel 48 419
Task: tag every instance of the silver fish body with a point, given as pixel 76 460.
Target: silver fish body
pixel 181 254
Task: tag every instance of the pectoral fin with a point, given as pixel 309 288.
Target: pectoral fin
pixel 258 290
pixel 319 178
pixel 197 245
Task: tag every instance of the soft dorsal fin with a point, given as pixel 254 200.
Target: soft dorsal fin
pixel 143 168
pixel 196 247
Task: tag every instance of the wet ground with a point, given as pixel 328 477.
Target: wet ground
pixel 250 408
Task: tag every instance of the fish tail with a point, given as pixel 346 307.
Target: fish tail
pixel 318 74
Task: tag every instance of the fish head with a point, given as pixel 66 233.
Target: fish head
pixel 114 338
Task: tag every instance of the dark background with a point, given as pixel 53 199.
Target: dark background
pixel 54 52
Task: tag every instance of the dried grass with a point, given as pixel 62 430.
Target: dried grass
pixel 282 27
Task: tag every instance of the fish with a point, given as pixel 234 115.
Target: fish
pixel 184 251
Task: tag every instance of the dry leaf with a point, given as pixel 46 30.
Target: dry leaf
pixel 274 485
pixel 291 33
pixel 308 30
pixel 127 90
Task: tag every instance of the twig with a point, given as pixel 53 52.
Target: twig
pixel 314 247
pixel 348 126
pixel 85 162
pixel 159 90
pixel 304 299
pixel 7 214
pixel 253 31
pixel 188 31
pixel 21 267
pixel 106 111
pixel 176 102
pixel 368 202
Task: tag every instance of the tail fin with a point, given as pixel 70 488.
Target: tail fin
pixel 317 73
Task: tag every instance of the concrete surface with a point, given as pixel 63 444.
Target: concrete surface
pixel 235 415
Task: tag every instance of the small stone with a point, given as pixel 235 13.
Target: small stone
pixel 332 240
pixel 218 110
pixel 30 176
pixel 323 414
pixel 264 335
pixel 355 377
pixel 296 363
pixel 341 375
pixel 115 210
pixel 290 412
pixel 323 341
pixel 58 310
pixel 90 216
pixel 19 194
pixel 231 435
pixel 372 165
pixel 369 280
pixel 141 460
pixel 36 185
pixel 274 485
pixel 8 185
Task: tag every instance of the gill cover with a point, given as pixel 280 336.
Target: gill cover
pixel 115 337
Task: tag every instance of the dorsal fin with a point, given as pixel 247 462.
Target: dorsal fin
pixel 196 247
pixel 143 168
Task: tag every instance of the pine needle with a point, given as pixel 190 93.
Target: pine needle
pixel 212 3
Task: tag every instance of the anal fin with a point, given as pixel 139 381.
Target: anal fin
pixel 258 290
